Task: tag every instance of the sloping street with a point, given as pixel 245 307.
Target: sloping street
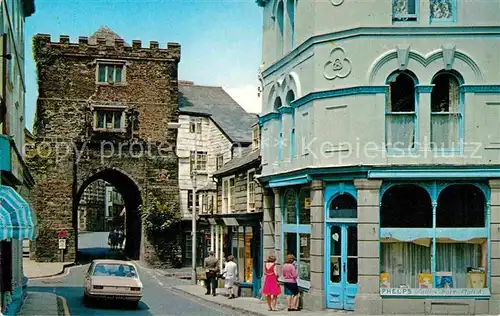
pixel 159 298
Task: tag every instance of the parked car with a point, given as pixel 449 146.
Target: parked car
pixel 113 280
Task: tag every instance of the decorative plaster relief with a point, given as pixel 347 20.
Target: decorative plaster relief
pixel 448 56
pixel 337 2
pixel 338 65
pixel 403 53
pixel 441 9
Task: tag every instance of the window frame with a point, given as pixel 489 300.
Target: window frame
pixel 201 161
pixel 106 109
pixel 255 138
pixel 453 17
pixel 390 150
pixel 434 190
pixel 226 196
pixel 251 192
pixel 237 233
pixel 192 127
pixel 409 17
pixel 297 229
pixel 107 63
pixel 460 114
pixel 219 161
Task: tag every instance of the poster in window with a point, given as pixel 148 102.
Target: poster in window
pixel 476 279
pixel 444 280
pixel 385 280
pixel 425 280
pixel 307 203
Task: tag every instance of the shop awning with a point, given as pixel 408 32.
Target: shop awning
pixel 17 220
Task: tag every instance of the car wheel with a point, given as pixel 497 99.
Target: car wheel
pixel 86 299
pixel 134 304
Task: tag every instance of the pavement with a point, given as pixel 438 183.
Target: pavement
pixel 36 270
pixel 250 305
pixel 42 304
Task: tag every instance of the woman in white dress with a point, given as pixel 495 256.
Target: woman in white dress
pixel 230 273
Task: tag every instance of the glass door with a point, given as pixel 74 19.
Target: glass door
pixel 342 266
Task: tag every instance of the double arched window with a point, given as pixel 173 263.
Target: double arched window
pixel 433 236
pixel 402 111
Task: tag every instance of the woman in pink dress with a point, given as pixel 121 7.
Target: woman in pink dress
pixel 271 286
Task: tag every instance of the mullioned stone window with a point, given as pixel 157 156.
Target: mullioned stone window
pixel 110 72
pixel 108 119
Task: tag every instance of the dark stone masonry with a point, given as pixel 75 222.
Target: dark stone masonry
pixel 102 113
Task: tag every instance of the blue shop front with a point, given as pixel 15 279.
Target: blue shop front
pixel 240 235
pixel 18 222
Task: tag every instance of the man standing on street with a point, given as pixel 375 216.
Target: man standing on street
pixel 211 269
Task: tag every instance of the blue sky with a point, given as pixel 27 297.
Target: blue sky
pixel 220 39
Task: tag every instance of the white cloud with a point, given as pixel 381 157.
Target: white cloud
pixel 247 97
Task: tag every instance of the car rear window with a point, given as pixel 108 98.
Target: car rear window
pixel 112 269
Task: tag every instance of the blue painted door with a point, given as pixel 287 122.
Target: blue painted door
pixel 342 265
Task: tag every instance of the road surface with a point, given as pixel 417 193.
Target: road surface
pixel 158 299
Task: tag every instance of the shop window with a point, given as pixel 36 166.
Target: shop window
pixel 404 10
pixel 297 229
pixel 445 116
pixel 458 239
pixel 461 206
pixel 290 208
pixel 242 243
pixel 305 206
pixel 343 206
pixel 406 206
pixel 400 111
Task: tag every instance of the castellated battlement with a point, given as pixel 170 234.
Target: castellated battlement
pixel 101 46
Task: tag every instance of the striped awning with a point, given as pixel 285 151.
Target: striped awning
pixel 17 220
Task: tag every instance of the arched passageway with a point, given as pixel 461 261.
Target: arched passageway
pixel 131 195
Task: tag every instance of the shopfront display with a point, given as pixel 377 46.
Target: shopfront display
pixel 242 250
pixel 297 231
pixel 439 245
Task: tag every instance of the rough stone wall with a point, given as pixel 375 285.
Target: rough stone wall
pixel 74 154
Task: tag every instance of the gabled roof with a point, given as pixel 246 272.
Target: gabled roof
pixel 229 116
pixel 106 33
pixel 248 157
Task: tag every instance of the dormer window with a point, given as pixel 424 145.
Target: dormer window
pixel 110 72
pixel 109 119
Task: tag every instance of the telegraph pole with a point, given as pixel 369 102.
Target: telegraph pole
pixel 193 213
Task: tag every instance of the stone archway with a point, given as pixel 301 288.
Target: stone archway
pixel 130 191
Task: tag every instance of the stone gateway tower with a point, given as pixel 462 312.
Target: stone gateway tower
pixel 102 113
